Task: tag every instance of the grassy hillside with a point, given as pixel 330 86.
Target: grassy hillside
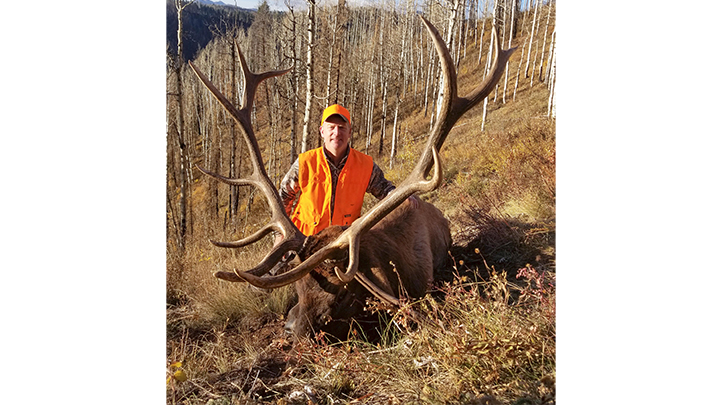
pixel 493 336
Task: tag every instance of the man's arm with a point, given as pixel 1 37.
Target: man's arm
pixel 380 187
pixel 290 187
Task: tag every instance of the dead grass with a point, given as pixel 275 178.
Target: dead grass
pixel 481 342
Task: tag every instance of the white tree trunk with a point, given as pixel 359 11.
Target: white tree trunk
pixel 309 80
pixel 551 79
pixel 482 30
pixel 532 36
pixel 451 45
pixel 393 147
pixel 370 108
pixel 517 76
pixel 509 45
pixel 487 70
pixel 331 54
pixel 542 54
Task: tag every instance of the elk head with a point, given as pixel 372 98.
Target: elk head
pixel 339 262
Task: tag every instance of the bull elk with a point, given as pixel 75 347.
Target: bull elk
pixel 391 248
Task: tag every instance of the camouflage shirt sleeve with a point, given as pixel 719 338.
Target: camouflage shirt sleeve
pixel 290 188
pixel 379 186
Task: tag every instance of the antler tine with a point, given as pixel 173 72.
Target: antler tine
pixel 252 80
pixel 280 222
pixel 254 275
pixel 285 278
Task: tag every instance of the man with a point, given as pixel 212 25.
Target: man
pixel 331 180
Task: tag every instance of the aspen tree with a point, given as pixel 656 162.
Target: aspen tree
pixel 517 76
pixel 180 6
pixel 460 23
pixel 207 118
pixel 522 56
pixel 509 44
pixel 466 22
pixel 309 79
pixel 342 18
pixel 294 83
pixel 428 77
pixel 171 178
pixel 383 116
pixel 333 28
pixel 417 56
pixel 452 45
pixel 551 54
pixel 551 78
pixel 383 82
pixel 542 54
pixel 370 109
pixel 398 72
pixel 482 29
pixel 266 50
pixel 404 65
pixel 532 37
pixel 497 20
pixel 534 63
pixel 233 164
pixel 430 62
pixel 394 145
pixel 487 70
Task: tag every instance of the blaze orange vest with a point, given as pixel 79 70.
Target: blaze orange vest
pixel 312 213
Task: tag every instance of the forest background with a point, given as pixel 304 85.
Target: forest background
pixel 636 202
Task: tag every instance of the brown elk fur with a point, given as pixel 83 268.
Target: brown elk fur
pixel 413 241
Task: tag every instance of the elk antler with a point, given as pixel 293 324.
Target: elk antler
pixel 279 221
pixel 451 109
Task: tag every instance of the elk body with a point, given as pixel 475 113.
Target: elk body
pixel 399 254
pixel 391 250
